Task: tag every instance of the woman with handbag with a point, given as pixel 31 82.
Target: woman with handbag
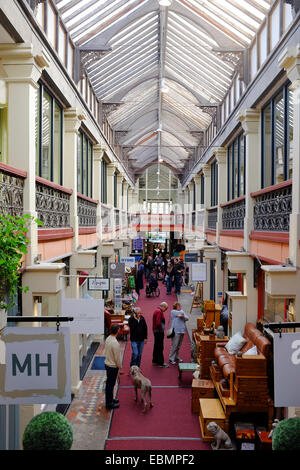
pixel 178 320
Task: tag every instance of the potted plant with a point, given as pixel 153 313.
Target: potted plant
pixel 286 435
pixel 13 246
pixel 49 430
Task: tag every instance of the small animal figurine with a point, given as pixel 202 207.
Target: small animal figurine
pixel 222 440
pixel 220 332
pixel 212 328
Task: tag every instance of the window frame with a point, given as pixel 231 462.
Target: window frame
pixel 231 159
pixel 40 91
pixel 87 176
pixel 284 90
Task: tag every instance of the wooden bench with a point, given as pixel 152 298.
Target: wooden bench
pixel 186 367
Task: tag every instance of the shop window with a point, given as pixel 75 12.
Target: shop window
pixel 49 122
pixel 274 309
pixel 263 45
pixel 236 168
pixel 288 15
pixel 275 26
pixel 84 165
pixel 253 57
pixel 277 139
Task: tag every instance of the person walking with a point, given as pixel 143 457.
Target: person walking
pixel 113 365
pixel 158 327
pixel 139 277
pixel 178 320
pixel 169 277
pixel 138 336
pixel 178 270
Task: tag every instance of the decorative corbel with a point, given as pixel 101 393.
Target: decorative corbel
pixel 85 57
pixel 211 110
pixel 236 58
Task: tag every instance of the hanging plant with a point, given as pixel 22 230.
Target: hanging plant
pixel 13 246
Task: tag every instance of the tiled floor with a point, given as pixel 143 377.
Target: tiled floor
pixel 87 414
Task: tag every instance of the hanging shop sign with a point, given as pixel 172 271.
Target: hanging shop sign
pixel 37 366
pixel 191 257
pixel 98 283
pixel 88 315
pixel 117 270
pixel 286 369
pixel 128 261
pixel 199 272
pixel 118 295
pixel 138 244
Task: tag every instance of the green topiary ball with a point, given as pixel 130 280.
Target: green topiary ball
pixel 286 435
pixel 48 431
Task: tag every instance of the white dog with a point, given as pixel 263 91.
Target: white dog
pixel 139 381
pixel 221 438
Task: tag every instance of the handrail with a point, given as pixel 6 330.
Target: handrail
pixel 270 189
pixel 50 184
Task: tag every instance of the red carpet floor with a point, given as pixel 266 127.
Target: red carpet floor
pixel 170 424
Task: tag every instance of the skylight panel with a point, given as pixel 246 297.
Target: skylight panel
pixel 82 14
pixel 145 20
pixel 116 13
pixel 238 13
pixel 206 38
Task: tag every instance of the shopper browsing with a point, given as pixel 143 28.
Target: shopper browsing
pixel 138 336
pixel 178 320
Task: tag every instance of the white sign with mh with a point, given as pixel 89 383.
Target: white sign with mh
pixel 37 366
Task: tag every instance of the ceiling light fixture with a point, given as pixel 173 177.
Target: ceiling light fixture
pixel 165 3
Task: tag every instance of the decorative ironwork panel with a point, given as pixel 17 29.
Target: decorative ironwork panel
pixel 233 216
pixel 272 210
pixel 212 219
pixel 87 213
pixel 11 194
pixel 52 206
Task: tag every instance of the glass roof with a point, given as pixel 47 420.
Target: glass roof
pixel 152 47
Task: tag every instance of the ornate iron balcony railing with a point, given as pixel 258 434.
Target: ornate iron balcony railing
pixel 87 212
pixel 272 208
pixel 52 204
pixel 212 218
pixel 11 192
pixel 233 215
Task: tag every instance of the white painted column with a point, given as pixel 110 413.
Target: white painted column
pixel 250 119
pixel 23 70
pixel 290 61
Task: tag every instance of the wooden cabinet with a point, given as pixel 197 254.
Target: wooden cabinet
pixel 201 389
pixel 211 410
pixel 206 353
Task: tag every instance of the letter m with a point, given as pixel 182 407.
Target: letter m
pixel 16 364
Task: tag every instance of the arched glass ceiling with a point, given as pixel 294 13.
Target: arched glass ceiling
pixel 145 43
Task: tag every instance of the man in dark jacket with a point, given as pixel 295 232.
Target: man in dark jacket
pixel 138 336
pixel 158 326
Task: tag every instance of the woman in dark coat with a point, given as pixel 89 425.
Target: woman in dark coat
pixel 139 277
